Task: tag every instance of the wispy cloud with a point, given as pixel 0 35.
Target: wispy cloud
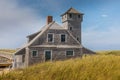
pixel 15 23
pixel 104 15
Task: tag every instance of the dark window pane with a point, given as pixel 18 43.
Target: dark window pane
pixel 78 38
pixel 34 53
pixel 50 37
pixel 69 53
pixel 62 38
pixel 70 28
pixel 78 16
pixel 70 15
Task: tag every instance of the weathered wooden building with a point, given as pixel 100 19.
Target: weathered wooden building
pixel 53 41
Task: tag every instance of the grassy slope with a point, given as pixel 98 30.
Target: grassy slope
pixel 8 51
pixel 98 67
pixel 110 52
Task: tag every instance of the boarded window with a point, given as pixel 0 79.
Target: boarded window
pixel 50 37
pixel 34 53
pixel 63 37
pixel 69 53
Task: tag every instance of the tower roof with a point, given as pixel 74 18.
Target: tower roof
pixel 72 10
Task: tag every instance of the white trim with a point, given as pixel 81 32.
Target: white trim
pixel 45 52
pixel 58 46
pixel 52 37
pixel 32 53
pixel 69 55
pixel 65 37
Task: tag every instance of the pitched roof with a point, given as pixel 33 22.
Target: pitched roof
pixel 56 26
pixel 36 33
pixel 72 10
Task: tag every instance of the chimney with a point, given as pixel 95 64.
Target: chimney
pixel 49 19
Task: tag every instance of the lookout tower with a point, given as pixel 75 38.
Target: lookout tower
pixel 72 20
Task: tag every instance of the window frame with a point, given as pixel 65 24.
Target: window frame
pixel 32 53
pixel 61 38
pixel 69 50
pixel 52 38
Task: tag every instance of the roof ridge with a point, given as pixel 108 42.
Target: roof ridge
pixel 72 10
pixel 56 26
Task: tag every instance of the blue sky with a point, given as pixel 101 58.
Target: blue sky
pixel 100 28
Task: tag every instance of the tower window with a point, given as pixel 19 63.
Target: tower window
pixel 63 38
pixel 78 16
pixel 70 15
pixel 78 38
pixel 70 28
pixel 50 37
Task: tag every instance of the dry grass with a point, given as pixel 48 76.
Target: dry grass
pixel 98 67
pixel 8 51
pixel 109 52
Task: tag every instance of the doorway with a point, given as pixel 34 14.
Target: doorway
pixel 48 55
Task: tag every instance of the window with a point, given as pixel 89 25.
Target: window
pixel 63 37
pixel 50 37
pixel 69 53
pixel 70 28
pixel 70 15
pixel 78 38
pixel 34 53
pixel 78 16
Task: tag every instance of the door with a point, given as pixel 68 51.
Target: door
pixel 47 55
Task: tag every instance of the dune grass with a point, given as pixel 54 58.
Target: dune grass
pixel 97 67
pixel 109 52
pixel 8 51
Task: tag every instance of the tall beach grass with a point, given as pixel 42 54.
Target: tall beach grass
pixel 97 67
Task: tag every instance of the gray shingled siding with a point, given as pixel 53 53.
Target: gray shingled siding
pixel 57 54
pixel 57 38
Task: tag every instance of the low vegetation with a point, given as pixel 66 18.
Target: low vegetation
pixel 109 52
pixel 9 51
pixel 96 67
